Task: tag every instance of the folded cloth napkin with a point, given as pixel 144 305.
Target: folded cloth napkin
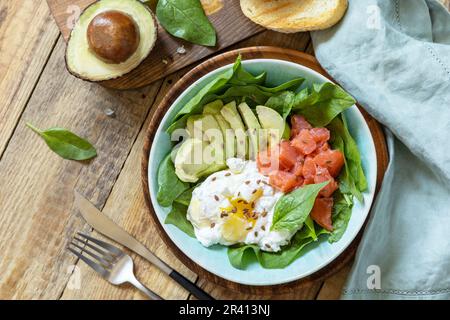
pixel 393 56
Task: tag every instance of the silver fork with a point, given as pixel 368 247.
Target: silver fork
pixel 109 261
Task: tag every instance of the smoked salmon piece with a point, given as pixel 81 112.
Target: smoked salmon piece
pixel 320 135
pixel 284 181
pixel 304 142
pixel 287 154
pixel 321 213
pixel 333 160
pixel 323 175
pixel 298 169
pixel 298 123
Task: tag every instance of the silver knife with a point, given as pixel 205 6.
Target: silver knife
pixel 109 228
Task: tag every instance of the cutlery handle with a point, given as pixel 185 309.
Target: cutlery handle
pixel 189 286
pixel 144 289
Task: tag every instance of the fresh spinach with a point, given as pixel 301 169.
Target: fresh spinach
pixel 186 19
pixel 242 255
pixel 185 197
pixel 65 143
pixel 169 186
pixel 282 103
pixel 177 217
pixel 352 179
pixel 322 103
pixel 342 211
pixel 293 208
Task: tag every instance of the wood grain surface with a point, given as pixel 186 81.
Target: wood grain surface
pixel 218 61
pixel 37 216
pixel 230 23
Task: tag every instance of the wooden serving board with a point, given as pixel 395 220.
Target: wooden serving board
pixel 178 88
pixel 230 23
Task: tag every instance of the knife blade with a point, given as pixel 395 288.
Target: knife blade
pixel 101 223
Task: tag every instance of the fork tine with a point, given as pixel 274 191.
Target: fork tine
pixel 98 268
pixel 105 254
pixel 105 263
pixel 103 244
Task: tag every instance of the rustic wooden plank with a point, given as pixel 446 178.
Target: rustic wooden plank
pixel 133 216
pixel 36 198
pixel 332 287
pixel 27 36
pixel 230 23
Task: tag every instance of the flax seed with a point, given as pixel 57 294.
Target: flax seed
pixel 263 228
pixel 213 179
pixel 256 233
pixel 213 225
pixel 216 197
pixel 247 182
pixel 227 174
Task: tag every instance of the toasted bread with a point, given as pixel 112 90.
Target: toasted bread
pixel 294 15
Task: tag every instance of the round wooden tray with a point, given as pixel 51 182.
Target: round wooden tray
pixel 178 88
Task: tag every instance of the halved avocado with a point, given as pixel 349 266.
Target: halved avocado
pixel 110 39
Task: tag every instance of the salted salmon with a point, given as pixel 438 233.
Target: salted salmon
pixel 298 123
pixel 284 181
pixel 333 160
pixel 321 213
pixel 306 159
pixel 287 154
pixel 323 175
pixel 304 142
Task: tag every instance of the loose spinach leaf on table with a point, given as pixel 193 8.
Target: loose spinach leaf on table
pixel 65 143
pixel 293 208
pixel 177 217
pixel 186 19
pixel 169 186
pixel 322 103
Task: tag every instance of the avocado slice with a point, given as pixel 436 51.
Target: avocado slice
pixel 271 121
pixel 96 53
pixel 213 107
pixel 253 127
pixel 228 135
pixel 230 113
pixel 205 127
pixel 190 164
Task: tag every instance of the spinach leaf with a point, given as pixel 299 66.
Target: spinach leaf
pixel 292 209
pixel 169 186
pixel 195 104
pixel 282 103
pixel 241 256
pixel 291 84
pixel 65 143
pixel 186 19
pixel 342 211
pixel 185 197
pixel 177 217
pixel 352 179
pixel 322 103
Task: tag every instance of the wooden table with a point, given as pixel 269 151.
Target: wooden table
pixel 37 216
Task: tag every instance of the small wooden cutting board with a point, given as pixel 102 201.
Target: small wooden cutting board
pixel 230 23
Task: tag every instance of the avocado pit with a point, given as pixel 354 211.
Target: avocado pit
pixel 113 36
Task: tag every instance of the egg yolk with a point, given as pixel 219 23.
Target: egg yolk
pixel 241 217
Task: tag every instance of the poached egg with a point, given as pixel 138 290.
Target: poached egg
pixel 236 206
